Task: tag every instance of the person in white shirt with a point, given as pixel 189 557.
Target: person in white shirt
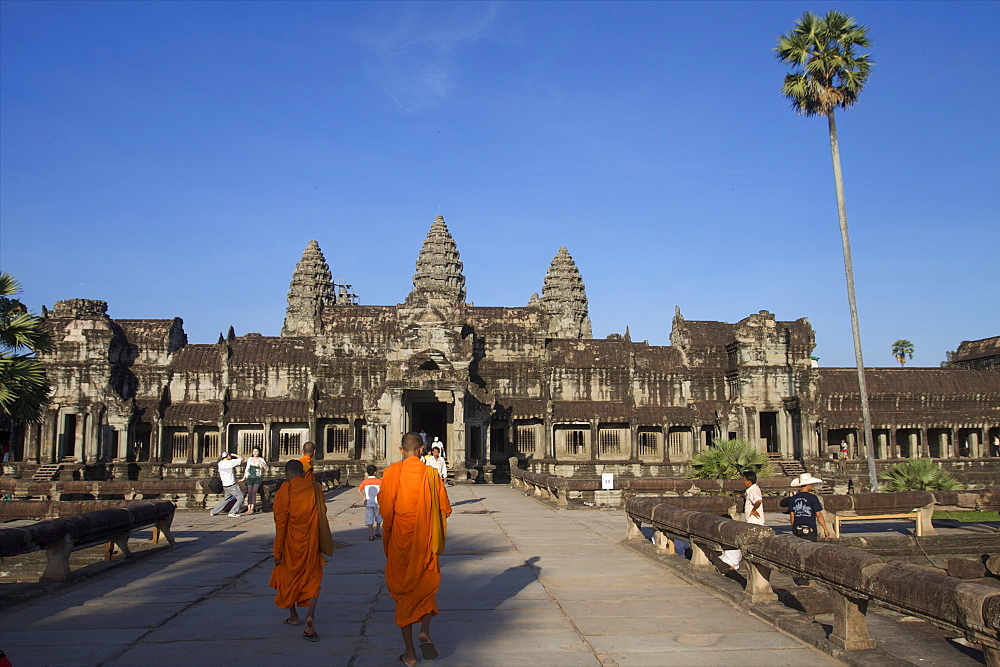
pixel 753 513
pixel 230 488
pixel 440 445
pixel 436 461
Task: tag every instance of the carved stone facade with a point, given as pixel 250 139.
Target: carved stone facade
pixel 491 382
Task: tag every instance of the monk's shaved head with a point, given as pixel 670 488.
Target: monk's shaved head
pixel 309 449
pixel 293 469
pixel 411 443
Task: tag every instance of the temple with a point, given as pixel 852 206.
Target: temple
pixel 491 382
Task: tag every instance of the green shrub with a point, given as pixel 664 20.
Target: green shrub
pixel 918 475
pixel 729 459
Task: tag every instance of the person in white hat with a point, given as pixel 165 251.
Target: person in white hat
pixel 805 509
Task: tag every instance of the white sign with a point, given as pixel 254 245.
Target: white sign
pixel 607 481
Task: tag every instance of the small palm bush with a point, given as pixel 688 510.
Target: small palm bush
pixel 729 459
pixel 918 475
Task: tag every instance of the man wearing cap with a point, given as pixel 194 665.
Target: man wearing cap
pixel 230 487
pixel 804 509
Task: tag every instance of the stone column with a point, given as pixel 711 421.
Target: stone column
pixel 633 431
pixel 92 437
pixel 80 438
pixel 665 430
pixel 156 444
pixel 595 446
pixel 974 441
pixel 370 439
pixel 851 440
pixel 395 435
pixel 850 626
pixel 192 439
pixel 883 444
pixel 955 451
pixel 457 447
pixel 914 439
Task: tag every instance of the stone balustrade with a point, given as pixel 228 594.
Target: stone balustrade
pixel 854 577
pixel 187 493
pixel 562 490
pixel 60 537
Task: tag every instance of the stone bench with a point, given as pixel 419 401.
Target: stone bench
pixel 838 518
pixel 60 537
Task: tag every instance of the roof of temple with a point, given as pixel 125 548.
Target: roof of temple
pixel 844 381
pixel 267 410
pixel 199 357
pixel 273 351
pixel 977 349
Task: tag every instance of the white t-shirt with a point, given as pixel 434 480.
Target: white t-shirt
pixel 438 464
pixel 226 470
pixel 753 494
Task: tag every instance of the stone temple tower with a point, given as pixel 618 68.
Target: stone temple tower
pixel 439 280
pixel 310 292
pixel 564 298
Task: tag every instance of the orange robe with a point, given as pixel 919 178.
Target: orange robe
pixel 414 506
pixel 307 467
pixel 296 543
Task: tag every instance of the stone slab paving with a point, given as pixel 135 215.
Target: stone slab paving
pixel 523 584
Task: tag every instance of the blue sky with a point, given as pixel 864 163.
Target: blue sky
pixel 174 159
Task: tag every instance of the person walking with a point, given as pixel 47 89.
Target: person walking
pixel 299 542
pixel 436 461
pixel 414 506
pixel 253 477
pixel 753 512
pixel 369 491
pixel 230 488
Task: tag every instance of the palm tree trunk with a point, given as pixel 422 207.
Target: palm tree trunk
pixel 838 178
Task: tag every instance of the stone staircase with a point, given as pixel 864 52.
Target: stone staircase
pixel 46 472
pixel 788 467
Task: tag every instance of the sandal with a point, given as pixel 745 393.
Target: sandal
pixel 314 637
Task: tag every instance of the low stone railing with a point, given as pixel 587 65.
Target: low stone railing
pixel 854 578
pixel 186 493
pixel 60 537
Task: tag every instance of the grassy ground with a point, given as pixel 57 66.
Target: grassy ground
pixel 968 516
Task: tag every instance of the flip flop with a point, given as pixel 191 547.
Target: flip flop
pixel 428 650
pixel 402 659
pixel 314 637
pixel 288 621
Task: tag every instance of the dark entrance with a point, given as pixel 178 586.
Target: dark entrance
pixel 769 430
pixel 432 418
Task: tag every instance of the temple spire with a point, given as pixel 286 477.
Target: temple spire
pixel 439 280
pixel 564 298
pixel 310 291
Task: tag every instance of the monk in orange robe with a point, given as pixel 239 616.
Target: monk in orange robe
pixel 414 506
pixel 308 449
pixel 298 564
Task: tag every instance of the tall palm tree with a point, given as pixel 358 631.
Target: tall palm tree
pixel 23 386
pixel 902 349
pixel 828 73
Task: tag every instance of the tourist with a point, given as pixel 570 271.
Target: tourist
pixel 423 436
pixel 414 507
pixel 440 445
pixel 436 461
pixel 253 477
pixel 805 509
pixel 753 512
pixel 996 445
pixel 308 449
pixel 230 488
pixel 301 536
pixel 843 449
pixel 369 491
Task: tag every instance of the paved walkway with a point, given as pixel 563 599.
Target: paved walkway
pixel 524 584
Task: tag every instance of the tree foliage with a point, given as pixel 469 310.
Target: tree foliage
pixel 828 72
pixel 729 459
pixel 902 349
pixel 918 475
pixel 24 388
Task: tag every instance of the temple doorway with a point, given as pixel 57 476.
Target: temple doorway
pixel 430 417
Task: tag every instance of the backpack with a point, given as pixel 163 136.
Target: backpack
pixel 215 485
